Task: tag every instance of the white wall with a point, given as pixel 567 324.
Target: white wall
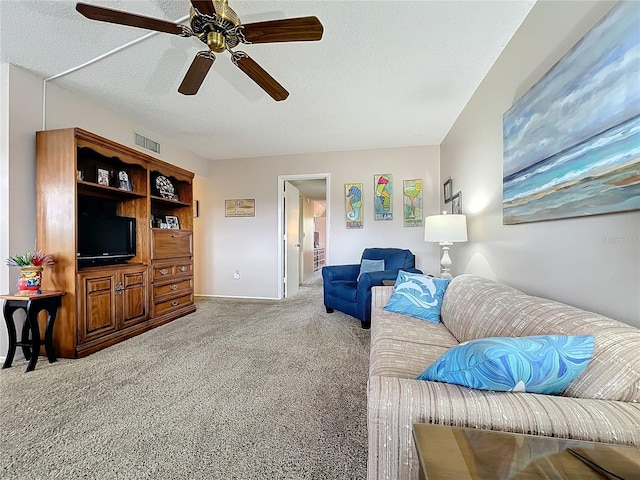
pixel 590 262
pixel 4 178
pixel 251 244
pixel 21 97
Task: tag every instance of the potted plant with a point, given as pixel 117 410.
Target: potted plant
pixel 31 265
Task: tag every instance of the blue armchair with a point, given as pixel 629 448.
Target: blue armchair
pixel 345 292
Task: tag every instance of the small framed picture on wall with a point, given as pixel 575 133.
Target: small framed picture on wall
pixel 446 188
pixel 456 204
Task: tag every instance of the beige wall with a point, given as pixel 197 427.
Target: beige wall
pixel 251 245
pixel 591 262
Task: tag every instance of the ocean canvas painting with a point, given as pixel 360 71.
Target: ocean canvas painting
pixel 572 142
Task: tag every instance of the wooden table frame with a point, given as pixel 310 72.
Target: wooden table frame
pixel 32 304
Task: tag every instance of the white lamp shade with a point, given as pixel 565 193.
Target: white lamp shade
pixel 445 228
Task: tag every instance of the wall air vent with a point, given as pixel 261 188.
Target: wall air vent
pixel 146 143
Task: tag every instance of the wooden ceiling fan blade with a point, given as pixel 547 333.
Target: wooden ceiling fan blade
pixel 196 73
pixel 259 75
pixel 204 6
pixel 131 19
pixel 303 29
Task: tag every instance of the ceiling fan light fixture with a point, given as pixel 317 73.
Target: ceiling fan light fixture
pixel 216 42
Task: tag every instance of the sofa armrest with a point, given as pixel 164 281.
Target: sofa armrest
pixel 332 273
pixel 395 404
pixel 380 296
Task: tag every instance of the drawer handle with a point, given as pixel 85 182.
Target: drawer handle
pixel 174 288
pixel 183 269
pixel 174 236
pixel 175 303
pixel 164 271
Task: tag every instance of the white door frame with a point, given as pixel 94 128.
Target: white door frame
pixel 281 227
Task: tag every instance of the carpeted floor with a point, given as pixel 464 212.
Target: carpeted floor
pixel 241 389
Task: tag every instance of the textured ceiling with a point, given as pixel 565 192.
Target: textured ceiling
pixel 385 74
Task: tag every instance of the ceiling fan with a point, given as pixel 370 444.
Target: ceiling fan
pixel 219 27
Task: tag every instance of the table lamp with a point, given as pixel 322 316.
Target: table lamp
pixel 445 230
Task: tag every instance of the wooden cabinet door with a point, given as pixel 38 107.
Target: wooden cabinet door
pixel 97 309
pixel 133 295
pixel 171 243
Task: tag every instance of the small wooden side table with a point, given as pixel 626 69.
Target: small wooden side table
pixel 32 304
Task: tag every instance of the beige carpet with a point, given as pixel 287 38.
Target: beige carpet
pixel 240 389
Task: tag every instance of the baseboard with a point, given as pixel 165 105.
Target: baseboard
pixel 234 296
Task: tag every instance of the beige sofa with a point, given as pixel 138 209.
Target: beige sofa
pixel 602 404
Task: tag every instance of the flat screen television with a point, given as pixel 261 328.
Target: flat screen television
pixel 105 240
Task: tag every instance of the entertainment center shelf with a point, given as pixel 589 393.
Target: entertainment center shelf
pixel 98 203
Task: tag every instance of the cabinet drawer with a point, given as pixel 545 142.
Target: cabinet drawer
pixel 177 288
pixel 171 243
pixel 184 268
pixel 172 304
pixel 167 271
pixel 131 279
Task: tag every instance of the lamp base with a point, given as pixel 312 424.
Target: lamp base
pixel 445 261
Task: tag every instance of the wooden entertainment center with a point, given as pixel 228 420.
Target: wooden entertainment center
pixel 82 175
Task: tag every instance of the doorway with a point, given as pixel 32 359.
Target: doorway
pixel 294 247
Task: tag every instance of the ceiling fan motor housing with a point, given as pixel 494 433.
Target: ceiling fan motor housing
pixel 215 30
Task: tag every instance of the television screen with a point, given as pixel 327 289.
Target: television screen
pixel 106 237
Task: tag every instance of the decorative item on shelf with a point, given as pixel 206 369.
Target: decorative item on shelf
pixel 123 181
pixel 80 174
pixel 103 177
pixel 172 222
pixel 445 230
pixel 31 265
pixel 165 188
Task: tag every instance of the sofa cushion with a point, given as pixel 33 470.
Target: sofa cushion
pixel 418 295
pixel 538 364
pixel 476 307
pixel 367 265
pixel 401 345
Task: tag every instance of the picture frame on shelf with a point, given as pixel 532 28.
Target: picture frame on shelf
pixel 123 181
pixel 103 177
pixel 447 190
pixel 172 222
pixel 456 204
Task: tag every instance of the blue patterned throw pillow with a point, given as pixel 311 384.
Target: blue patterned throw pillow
pixel 417 295
pixel 539 364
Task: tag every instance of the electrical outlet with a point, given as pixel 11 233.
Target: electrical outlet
pixel 236 275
